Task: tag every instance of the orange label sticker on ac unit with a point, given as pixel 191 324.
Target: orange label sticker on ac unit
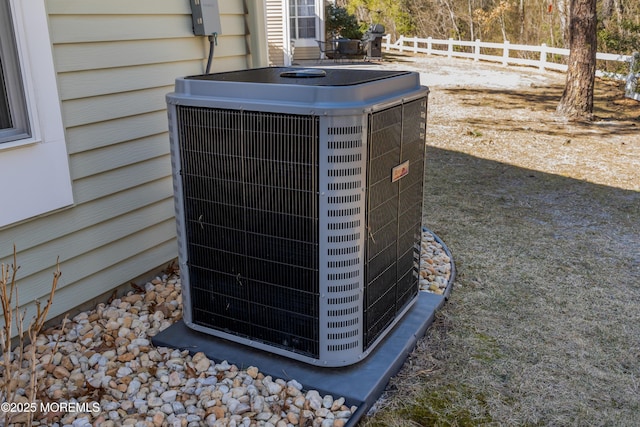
pixel 399 171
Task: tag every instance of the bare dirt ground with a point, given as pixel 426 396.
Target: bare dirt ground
pixel 543 220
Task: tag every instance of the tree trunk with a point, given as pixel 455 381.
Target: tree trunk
pixel 522 17
pixel 607 9
pixel 563 14
pixel 577 99
pixel 452 15
pixel 472 35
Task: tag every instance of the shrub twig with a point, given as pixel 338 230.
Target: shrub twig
pixel 13 366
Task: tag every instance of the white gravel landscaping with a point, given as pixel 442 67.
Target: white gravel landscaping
pixel 103 362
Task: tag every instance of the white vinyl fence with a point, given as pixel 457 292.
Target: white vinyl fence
pixel 632 89
pixel 543 56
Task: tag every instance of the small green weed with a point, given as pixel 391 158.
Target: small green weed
pixel 474 133
pixel 442 407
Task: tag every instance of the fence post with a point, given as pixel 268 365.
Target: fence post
pixel 505 53
pixel 631 87
pixel 450 48
pixel 476 53
pixel 543 56
pixel 387 42
pixel 400 44
pixel 415 45
pixel 429 39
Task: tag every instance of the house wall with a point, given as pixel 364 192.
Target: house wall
pixel 306 53
pixel 275 30
pixel 115 61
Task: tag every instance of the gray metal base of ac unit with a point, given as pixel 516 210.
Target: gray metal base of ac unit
pixel 360 384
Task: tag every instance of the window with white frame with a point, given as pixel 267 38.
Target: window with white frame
pixel 34 165
pixel 14 123
pixel 302 16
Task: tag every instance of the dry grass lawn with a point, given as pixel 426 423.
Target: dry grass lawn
pixel 543 219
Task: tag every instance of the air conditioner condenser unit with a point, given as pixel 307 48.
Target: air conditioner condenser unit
pixel 298 197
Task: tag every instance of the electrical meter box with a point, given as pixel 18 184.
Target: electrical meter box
pixel 206 17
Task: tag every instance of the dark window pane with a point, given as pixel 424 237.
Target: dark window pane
pixel 14 122
pixel 307 28
pixel 5 115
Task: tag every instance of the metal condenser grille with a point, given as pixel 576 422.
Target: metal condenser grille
pixel 250 193
pixel 394 213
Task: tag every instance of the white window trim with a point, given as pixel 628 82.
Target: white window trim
pixel 34 172
pixel 287 40
pixel 319 9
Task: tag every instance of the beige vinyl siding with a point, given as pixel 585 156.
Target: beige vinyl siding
pixel 97 28
pixel 102 134
pixel 80 246
pixel 131 53
pixel 115 61
pixel 306 53
pixel 93 162
pixel 74 85
pixel 275 30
